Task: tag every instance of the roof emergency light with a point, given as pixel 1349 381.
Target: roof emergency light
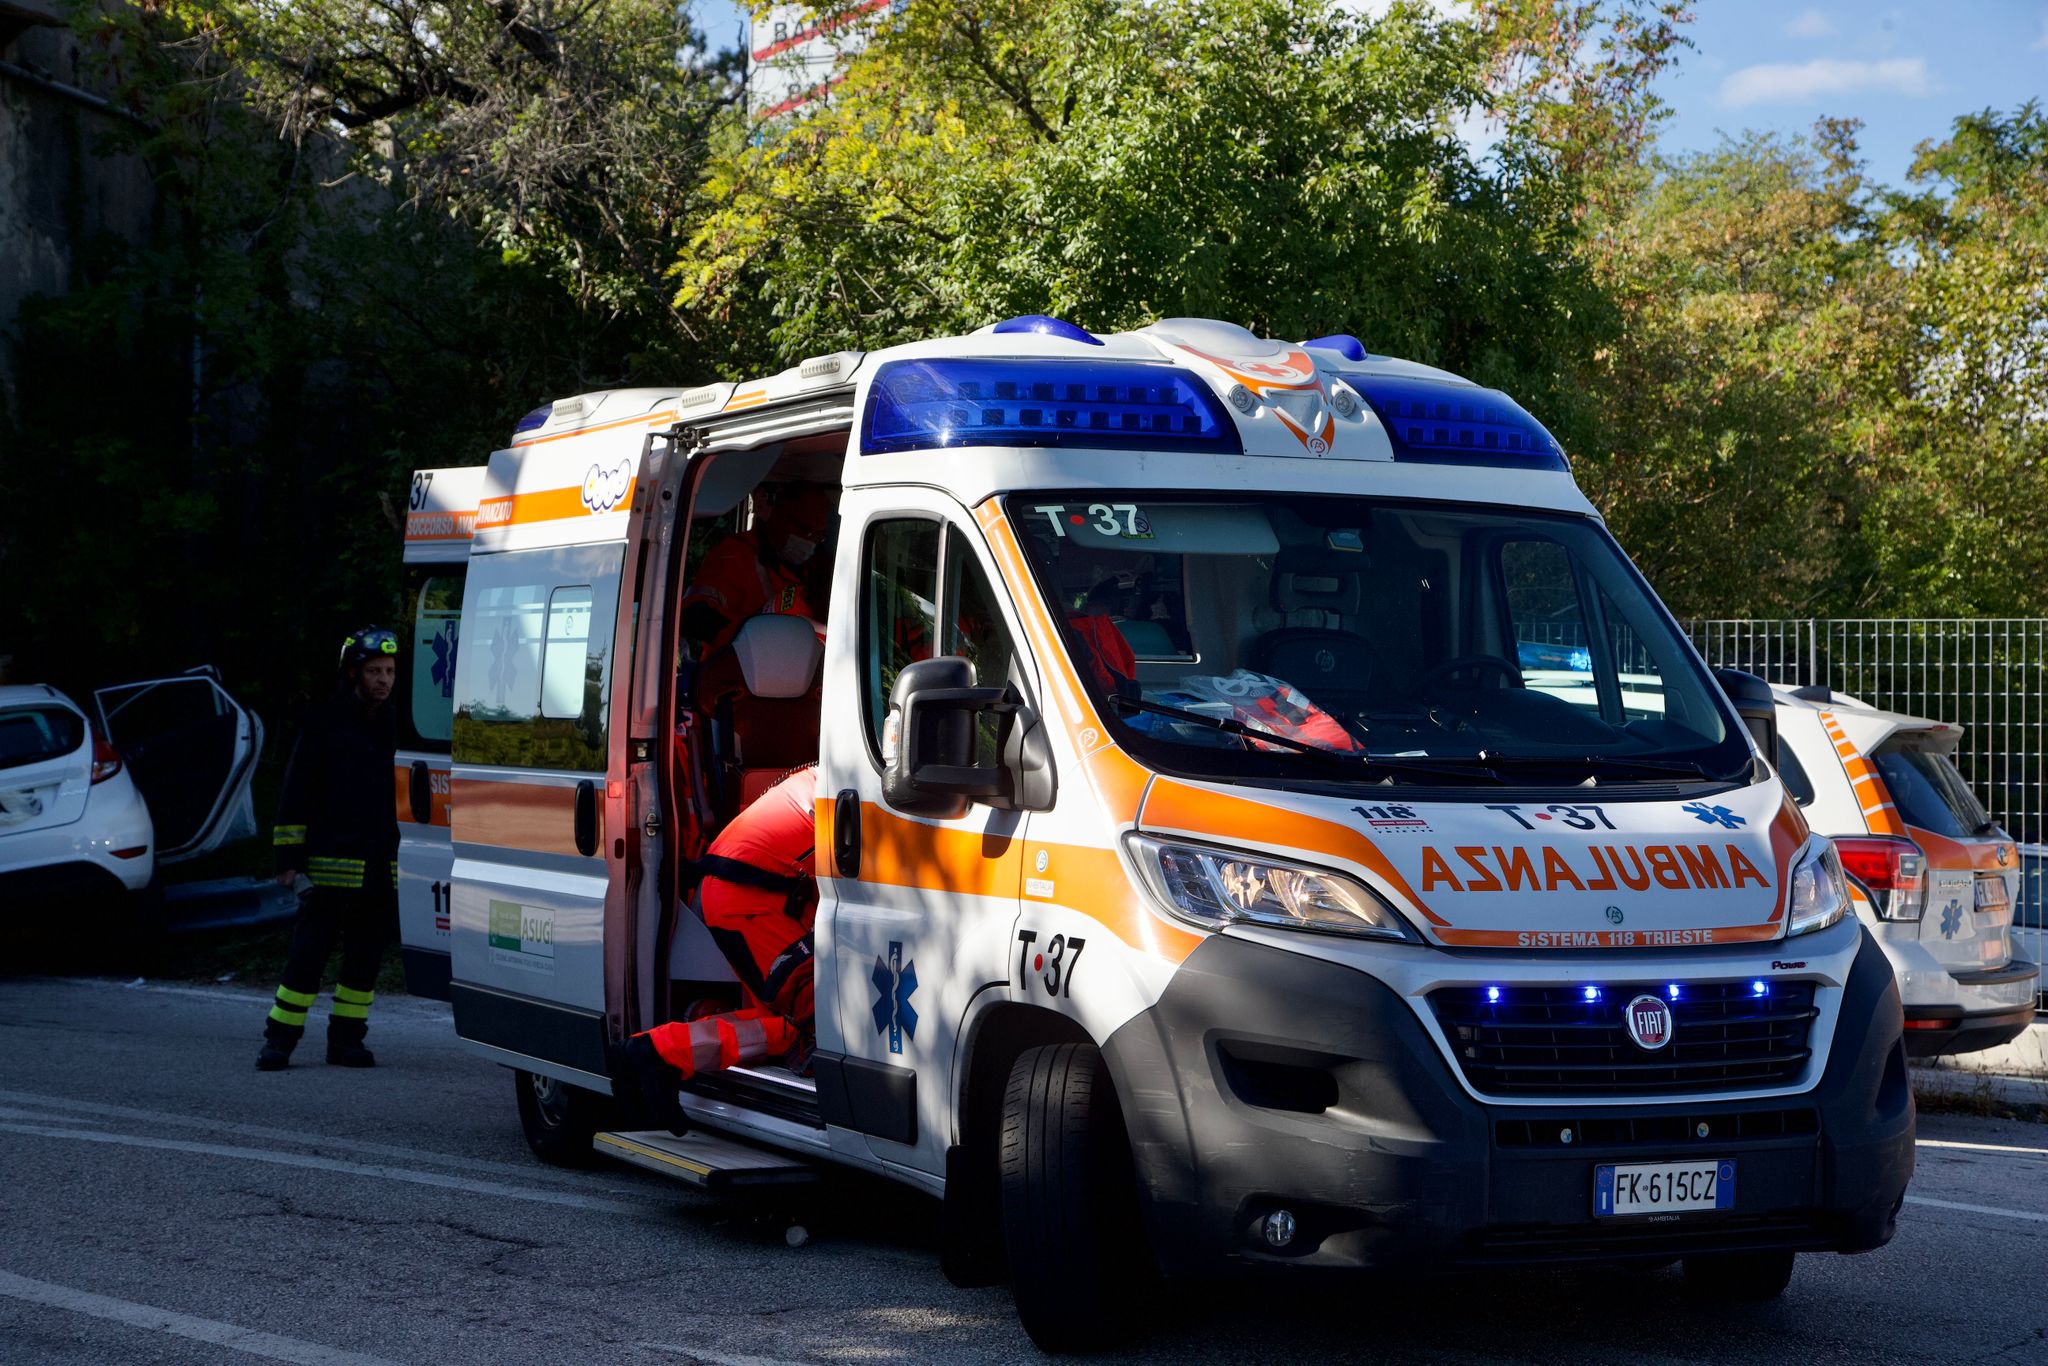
pixel 1457 424
pixel 976 401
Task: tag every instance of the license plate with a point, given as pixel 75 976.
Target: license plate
pixel 1663 1187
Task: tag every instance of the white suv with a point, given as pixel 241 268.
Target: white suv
pixel 90 807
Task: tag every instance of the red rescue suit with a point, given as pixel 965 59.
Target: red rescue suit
pixel 737 581
pixel 760 900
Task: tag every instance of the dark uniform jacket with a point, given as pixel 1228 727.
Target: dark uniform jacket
pixel 337 818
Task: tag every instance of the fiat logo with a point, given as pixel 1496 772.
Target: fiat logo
pixel 1649 1022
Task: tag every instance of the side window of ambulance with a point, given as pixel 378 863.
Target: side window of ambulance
pixel 1552 647
pixel 531 678
pixel 899 606
pixel 436 636
pixel 973 629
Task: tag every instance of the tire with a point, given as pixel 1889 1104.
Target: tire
pixel 1071 1226
pixel 559 1120
pixel 1739 1277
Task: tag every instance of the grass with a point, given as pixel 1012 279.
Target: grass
pixel 1975 1094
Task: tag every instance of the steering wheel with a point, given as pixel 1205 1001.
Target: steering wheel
pixel 1476 665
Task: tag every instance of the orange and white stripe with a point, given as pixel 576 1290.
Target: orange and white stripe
pixel 1872 795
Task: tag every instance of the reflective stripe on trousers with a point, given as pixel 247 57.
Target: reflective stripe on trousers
pixel 721 1041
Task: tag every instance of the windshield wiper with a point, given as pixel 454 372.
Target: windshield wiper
pixel 1601 763
pixel 1351 760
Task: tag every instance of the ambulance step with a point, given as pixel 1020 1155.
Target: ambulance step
pixel 706 1161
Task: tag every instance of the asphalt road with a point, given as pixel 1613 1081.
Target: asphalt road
pixel 162 1201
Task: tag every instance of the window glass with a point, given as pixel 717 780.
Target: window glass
pixel 29 735
pixel 1552 648
pixel 974 630
pixel 436 633
pixel 1350 626
pixel 567 666
pixel 1794 774
pixel 535 670
pixel 899 597
pixel 1930 793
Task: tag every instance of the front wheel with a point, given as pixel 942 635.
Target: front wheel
pixel 1739 1277
pixel 1071 1226
pixel 558 1119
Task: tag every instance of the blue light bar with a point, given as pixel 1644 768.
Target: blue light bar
pixel 1343 343
pixel 976 401
pixel 1458 424
pixel 1047 326
pixel 534 420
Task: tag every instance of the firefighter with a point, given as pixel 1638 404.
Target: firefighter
pixel 768 568
pixel 337 824
pixel 760 898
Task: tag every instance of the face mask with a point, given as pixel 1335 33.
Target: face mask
pixel 797 550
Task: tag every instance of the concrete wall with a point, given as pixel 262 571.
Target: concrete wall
pixel 59 187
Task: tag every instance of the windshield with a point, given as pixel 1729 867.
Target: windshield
pixel 1289 636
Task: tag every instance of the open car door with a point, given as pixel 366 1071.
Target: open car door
pixel 192 749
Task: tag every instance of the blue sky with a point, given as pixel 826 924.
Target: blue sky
pixel 1905 70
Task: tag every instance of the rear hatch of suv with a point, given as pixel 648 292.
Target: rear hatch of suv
pixel 45 764
pixel 1972 867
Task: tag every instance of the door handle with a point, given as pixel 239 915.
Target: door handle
pixel 846 833
pixel 586 818
pixel 422 793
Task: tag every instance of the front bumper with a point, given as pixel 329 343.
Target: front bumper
pixel 1265 1079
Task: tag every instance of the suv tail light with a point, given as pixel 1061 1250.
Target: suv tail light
pixel 106 760
pixel 1893 869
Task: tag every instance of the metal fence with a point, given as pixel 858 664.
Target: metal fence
pixel 1989 675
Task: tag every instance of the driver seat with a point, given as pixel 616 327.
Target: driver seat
pixel 1315 592
pixel 762 697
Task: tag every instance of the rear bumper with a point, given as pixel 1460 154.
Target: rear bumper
pixel 1990 1008
pixel 58 860
pixel 1268 1080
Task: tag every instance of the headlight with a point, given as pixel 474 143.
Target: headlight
pixel 1215 887
pixel 1820 896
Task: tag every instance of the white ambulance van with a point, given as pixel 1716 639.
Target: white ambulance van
pixel 1935 878
pixel 1204 886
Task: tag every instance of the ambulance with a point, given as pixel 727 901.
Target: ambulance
pixel 1932 875
pixel 1204 884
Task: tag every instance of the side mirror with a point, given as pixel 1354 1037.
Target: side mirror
pixel 1752 699
pixel 932 751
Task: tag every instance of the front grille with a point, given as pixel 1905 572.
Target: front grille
pixel 1551 1041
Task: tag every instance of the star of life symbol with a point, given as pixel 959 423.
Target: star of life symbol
pixel 1713 815
pixel 894 981
pixel 1951 918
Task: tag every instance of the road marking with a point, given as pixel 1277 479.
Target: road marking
pixel 715 1358
pixel 1982 1147
pixel 182 1325
pixel 328 1164
pixel 2028 1215
pixel 300 1137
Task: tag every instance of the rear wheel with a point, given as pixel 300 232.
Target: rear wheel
pixel 1741 1277
pixel 558 1119
pixel 1071 1226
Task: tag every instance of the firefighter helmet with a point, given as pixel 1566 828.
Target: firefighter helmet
pixel 365 645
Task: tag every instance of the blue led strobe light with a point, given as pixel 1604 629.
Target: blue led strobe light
pixel 1457 424
pixel 920 404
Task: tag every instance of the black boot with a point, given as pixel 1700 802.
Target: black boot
pixel 345 1044
pixel 653 1084
pixel 278 1042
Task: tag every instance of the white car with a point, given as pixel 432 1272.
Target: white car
pixel 90 807
pixel 1937 881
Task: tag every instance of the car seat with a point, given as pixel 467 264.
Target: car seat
pixel 761 695
pixel 1314 592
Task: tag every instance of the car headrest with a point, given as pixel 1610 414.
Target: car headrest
pixel 1310 582
pixel 778 655
pixel 1320 663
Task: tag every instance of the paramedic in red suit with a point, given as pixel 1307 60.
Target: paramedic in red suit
pixel 760 899
pixel 762 569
